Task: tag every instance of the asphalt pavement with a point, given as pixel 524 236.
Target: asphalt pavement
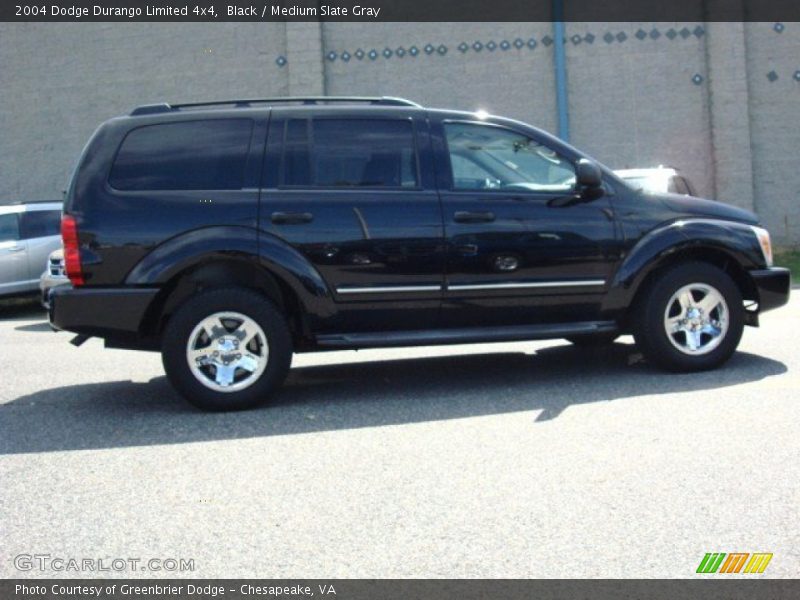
pixel 498 460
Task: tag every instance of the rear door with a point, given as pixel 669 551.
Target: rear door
pixel 354 192
pixel 13 256
pixel 41 230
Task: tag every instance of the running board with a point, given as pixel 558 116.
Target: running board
pixel 472 335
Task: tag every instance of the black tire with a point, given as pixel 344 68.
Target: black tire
pixel 250 304
pixel 650 330
pixel 593 340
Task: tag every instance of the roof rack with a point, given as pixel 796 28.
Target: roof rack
pixel 149 109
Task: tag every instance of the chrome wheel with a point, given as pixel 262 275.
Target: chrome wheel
pixel 696 319
pixel 227 351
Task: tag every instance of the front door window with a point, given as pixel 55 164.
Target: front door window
pixel 484 157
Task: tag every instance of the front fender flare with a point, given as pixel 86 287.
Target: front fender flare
pixel 735 240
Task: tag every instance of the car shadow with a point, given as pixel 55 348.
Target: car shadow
pixel 355 395
pixel 21 309
pixel 35 327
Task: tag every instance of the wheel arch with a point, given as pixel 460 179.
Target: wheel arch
pixel 232 256
pixel 731 247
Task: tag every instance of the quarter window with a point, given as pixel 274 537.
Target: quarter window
pixel 349 153
pixel 485 157
pixel 191 155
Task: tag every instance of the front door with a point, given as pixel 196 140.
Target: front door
pixel 520 249
pixel 356 196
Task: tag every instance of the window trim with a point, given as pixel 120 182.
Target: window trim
pixel 309 120
pixel 253 130
pixel 516 192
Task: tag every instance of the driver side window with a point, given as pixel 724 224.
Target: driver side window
pixel 484 157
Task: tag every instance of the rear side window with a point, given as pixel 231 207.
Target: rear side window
pixel 191 155
pixel 9 228
pixel 349 153
pixel 40 223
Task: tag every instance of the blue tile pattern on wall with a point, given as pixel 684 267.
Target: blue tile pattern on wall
pixel 474 48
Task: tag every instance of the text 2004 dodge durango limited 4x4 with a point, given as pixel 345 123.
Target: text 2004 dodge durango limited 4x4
pixel 230 235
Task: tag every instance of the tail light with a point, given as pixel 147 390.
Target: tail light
pixel 72 255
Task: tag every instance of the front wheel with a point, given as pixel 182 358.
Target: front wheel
pixel 690 319
pixel 227 349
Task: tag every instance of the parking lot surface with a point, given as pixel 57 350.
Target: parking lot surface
pixel 498 460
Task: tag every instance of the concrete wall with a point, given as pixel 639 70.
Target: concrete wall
pixel 717 100
pixel 773 68
pixel 632 101
pixel 60 80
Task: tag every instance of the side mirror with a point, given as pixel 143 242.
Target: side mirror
pixel 589 183
pixel 588 174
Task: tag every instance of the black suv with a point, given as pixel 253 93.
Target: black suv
pixel 229 235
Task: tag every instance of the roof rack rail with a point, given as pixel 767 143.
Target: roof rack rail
pixel 149 109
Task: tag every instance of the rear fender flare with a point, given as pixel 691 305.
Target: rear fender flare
pixel 205 245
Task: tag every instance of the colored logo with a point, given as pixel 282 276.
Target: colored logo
pixel 735 562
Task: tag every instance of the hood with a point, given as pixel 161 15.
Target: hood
pixel 699 207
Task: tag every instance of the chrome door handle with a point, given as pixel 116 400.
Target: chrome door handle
pixel 291 218
pixel 16 249
pixel 463 216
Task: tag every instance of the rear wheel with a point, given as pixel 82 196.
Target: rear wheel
pixel 227 349
pixel 690 319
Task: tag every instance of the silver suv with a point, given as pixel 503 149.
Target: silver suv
pixel 29 232
pixel 54 275
pixel 661 180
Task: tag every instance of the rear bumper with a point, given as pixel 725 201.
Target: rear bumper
pixel 773 287
pixel 106 312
